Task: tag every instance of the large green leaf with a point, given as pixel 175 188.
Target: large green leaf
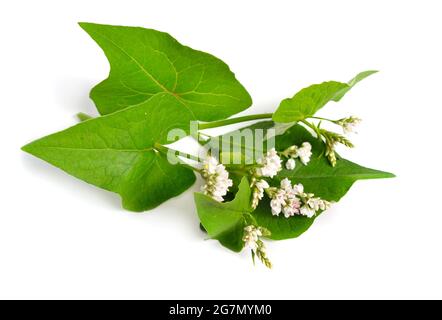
pixel 146 62
pixel 309 100
pixel 327 182
pixel 117 152
pixel 226 221
pixel 318 177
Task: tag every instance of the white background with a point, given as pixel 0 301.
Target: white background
pixel 61 238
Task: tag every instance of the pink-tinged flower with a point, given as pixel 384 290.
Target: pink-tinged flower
pixel 291 200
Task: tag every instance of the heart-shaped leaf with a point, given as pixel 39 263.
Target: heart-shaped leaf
pixel 225 221
pixel 309 100
pixel 145 62
pixel 117 152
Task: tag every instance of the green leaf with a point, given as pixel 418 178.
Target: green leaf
pixel 117 152
pixel 279 128
pixel 352 83
pixel 145 62
pixel 327 182
pixel 306 102
pixel 318 177
pixel 309 100
pixel 225 221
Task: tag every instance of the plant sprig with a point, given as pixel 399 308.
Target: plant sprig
pixel 159 91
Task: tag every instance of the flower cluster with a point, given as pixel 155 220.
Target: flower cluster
pixel 291 200
pixel 252 240
pixel 331 140
pixel 251 237
pixel 349 124
pixel 304 154
pixel 258 191
pixel 270 165
pixel 217 179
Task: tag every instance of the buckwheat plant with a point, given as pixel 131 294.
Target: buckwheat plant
pixel 269 180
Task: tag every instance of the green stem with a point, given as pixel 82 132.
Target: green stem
pixel 313 127
pixel 325 119
pixel 308 124
pixel 221 123
pixel 165 150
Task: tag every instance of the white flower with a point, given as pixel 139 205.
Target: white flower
pixel 324 205
pixel 291 200
pixel 277 202
pixel 217 179
pixel 290 164
pixel 292 207
pixel 258 191
pixel 305 152
pixel 307 211
pixel 286 185
pixel 284 200
pixel 251 237
pixel 317 204
pixel 260 186
pixel 279 198
pixel 298 188
pixel 210 165
pixel 349 124
pixel 270 164
pixel 314 203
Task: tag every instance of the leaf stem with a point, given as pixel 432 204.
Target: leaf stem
pixel 313 127
pixel 221 123
pixel 166 150
pixel 325 119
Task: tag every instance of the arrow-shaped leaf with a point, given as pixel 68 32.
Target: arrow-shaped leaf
pixel 117 152
pixel 327 182
pixel 309 100
pixel 145 62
